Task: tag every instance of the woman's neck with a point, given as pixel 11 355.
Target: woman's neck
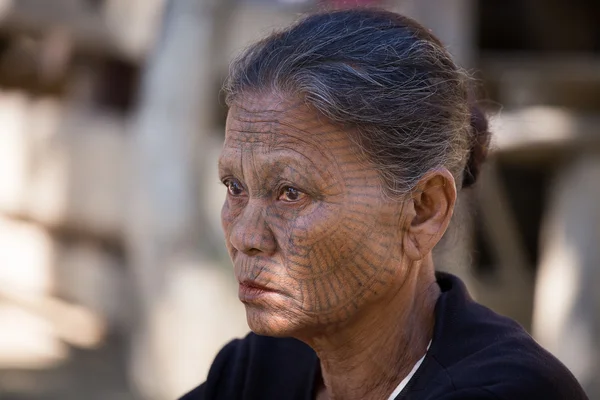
pixel 369 357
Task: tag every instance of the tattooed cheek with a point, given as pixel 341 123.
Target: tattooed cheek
pixel 227 217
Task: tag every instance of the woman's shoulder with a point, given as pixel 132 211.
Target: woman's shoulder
pixel 257 365
pixel 475 349
pixel 514 367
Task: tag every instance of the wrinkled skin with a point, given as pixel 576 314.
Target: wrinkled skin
pixel 306 216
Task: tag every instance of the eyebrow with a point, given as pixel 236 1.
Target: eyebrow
pixel 283 162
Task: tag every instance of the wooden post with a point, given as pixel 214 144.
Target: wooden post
pixel 501 230
pixel 165 228
pixel 567 301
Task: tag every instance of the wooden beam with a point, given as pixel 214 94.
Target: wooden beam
pixel 545 127
pixel 525 79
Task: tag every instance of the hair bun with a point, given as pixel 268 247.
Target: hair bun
pixel 480 141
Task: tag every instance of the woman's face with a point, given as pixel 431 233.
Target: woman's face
pixel 312 237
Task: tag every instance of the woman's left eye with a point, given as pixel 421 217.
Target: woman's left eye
pixel 233 187
pixel 291 194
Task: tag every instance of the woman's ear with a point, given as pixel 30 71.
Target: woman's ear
pixel 429 210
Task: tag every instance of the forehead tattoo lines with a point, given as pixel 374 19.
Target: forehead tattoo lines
pixel 295 119
pixel 255 121
pixel 291 128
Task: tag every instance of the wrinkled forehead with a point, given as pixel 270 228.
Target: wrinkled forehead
pixel 274 120
pixel 265 131
pixel 257 103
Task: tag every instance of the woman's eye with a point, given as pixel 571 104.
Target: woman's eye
pixel 291 194
pixel 233 187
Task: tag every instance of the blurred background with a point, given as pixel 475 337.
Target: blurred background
pixel 114 282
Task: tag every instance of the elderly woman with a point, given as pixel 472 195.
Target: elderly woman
pixel 348 137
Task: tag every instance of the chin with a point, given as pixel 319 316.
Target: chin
pixel 268 322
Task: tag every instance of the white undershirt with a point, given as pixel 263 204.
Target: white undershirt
pixel 405 381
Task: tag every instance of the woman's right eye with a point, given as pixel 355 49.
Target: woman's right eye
pixel 234 188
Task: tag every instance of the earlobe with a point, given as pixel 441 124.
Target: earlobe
pixel 429 212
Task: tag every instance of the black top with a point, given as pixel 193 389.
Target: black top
pixel 475 354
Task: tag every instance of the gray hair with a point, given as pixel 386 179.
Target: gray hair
pixel 383 75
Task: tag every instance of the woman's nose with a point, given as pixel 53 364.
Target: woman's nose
pixel 250 233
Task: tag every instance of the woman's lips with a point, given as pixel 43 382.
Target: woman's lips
pixel 249 291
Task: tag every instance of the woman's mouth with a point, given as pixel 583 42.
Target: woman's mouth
pixel 249 291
